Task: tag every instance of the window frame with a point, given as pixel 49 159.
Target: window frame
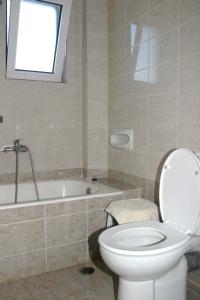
pixel 60 52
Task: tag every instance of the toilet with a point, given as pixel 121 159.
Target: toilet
pixel 149 256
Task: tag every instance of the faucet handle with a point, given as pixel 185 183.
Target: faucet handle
pixel 17 141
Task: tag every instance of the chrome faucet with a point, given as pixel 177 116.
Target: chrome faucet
pixel 17 147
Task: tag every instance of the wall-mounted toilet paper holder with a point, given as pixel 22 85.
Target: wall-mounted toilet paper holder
pixel 122 138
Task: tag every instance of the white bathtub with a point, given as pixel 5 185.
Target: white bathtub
pixel 57 189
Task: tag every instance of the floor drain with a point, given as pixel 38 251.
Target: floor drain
pixel 87 270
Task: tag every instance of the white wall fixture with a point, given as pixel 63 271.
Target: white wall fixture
pixel 122 138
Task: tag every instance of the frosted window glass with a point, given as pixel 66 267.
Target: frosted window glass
pixel 37 36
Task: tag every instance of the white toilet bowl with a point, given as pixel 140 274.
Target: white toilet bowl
pixel 149 256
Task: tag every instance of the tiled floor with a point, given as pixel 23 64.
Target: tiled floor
pixel 69 284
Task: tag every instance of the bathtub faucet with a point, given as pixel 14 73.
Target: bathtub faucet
pixel 17 147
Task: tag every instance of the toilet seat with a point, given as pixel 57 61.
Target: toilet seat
pixel 120 239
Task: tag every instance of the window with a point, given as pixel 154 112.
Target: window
pixel 36 38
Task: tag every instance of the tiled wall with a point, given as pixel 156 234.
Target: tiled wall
pixel 48 116
pixel 56 235
pixel 42 238
pixel 95 86
pixel 154 83
pixel 64 124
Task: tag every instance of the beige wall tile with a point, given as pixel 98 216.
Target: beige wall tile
pixel 97 23
pixel 77 6
pixel 21 237
pixel 117 19
pixel 116 175
pixel 163 108
pixel 66 229
pixel 65 208
pixel 188 136
pixel 136 164
pixel 189 37
pixel 164 48
pixel 96 222
pixel 189 107
pixel 117 41
pixel 97 47
pixel 97 6
pixel 102 202
pixel 163 18
pixel 162 137
pixel 154 3
pixel 97 67
pixel 153 191
pixel 117 65
pixel 136 119
pixel 189 10
pixel 113 4
pixel 117 112
pixel 131 194
pixel 74 47
pixel 157 96
pixel 20 266
pixel 136 8
pixel 96 85
pixel 116 158
pixel 190 73
pixel 32 108
pixel 75 24
pixel 117 87
pixel 163 79
pixel 67 255
pixel 137 83
pixel 21 214
pixel 136 182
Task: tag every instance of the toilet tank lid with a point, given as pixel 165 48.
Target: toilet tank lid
pixel 179 192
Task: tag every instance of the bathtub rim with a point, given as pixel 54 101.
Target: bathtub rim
pixel 111 192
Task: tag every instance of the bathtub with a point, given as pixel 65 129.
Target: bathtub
pixel 48 190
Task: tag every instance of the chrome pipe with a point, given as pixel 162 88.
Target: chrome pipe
pixel 16 175
pixel 33 173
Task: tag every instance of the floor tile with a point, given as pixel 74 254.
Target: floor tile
pixel 70 284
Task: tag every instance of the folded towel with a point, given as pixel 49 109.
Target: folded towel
pixel 133 210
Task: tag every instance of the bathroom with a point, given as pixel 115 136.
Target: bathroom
pixel 130 64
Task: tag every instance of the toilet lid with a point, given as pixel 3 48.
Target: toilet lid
pixel 179 193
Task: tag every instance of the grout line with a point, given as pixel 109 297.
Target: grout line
pixel 22 222
pixel 41 249
pixel 117 77
pixel 45 236
pixel 178 77
pixel 68 214
pixel 87 231
pixel 21 253
pixel 148 114
pixel 67 244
